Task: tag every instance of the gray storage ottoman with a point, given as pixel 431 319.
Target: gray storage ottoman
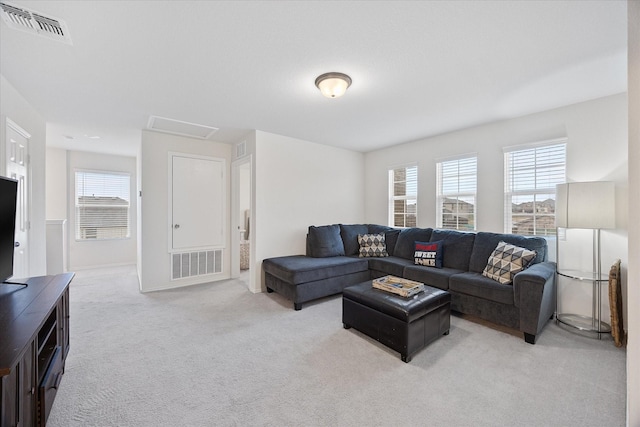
pixel 405 325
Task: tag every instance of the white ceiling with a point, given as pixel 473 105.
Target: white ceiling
pixel 418 68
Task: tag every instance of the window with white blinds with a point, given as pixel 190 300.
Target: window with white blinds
pixel 102 205
pixel 403 196
pixel 531 176
pixel 457 184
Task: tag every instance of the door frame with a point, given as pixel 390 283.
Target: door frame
pixel 235 214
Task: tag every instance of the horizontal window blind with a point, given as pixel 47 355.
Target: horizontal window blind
pixel 456 193
pixel 531 176
pixel 102 203
pixel 403 200
pixel 536 168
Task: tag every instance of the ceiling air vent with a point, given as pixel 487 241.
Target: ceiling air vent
pixel 176 127
pixel 35 23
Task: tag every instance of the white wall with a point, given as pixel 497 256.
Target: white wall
pixel 633 292
pixel 18 109
pixel 100 253
pixel 56 183
pixel 154 262
pixel 596 147
pixel 298 184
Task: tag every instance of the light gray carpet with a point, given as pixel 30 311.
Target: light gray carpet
pixel 218 355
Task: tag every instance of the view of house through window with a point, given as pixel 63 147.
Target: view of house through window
pixel 531 176
pixel 102 205
pixel 456 193
pixel 403 196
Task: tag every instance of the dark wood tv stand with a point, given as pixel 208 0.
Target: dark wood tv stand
pixel 34 343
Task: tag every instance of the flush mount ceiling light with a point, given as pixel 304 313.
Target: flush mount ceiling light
pixel 333 85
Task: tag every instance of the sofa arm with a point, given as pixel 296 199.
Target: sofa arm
pixel 535 295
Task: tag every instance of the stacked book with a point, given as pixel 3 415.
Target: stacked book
pixel 396 285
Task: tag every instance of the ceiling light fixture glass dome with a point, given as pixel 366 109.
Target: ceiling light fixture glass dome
pixel 333 85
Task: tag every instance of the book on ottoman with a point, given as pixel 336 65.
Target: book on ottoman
pixel 396 285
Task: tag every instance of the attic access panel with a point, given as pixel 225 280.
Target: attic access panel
pixel 177 127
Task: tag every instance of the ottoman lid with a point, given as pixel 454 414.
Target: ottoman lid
pixel 406 309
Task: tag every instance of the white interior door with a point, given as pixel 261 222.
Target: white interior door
pixel 198 200
pixel 17 145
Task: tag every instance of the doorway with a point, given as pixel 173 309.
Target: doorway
pixel 242 234
pixel 17 167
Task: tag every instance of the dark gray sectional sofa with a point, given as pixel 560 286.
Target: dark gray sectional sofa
pixel 332 263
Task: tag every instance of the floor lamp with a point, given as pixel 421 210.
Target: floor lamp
pixel 586 205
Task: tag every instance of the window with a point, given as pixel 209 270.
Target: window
pixel 456 193
pixel 102 205
pixel 403 196
pixel 531 175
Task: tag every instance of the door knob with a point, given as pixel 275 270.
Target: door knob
pixel 16 244
pixel 176 226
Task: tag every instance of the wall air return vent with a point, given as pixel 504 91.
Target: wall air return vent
pixel 35 23
pixel 199 263
pixel 177 127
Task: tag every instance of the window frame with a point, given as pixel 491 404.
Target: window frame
pixel 77 218
pixel 441 196
pixel 407 197
pixel 550 190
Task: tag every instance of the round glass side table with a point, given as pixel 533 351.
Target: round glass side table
pixel 583 323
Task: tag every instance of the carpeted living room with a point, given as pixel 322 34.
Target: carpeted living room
pixel 216 354
pixel 319 213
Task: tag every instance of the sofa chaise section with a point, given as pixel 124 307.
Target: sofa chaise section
pixel 302 279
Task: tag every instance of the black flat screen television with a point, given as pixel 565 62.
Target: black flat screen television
pixel 8 200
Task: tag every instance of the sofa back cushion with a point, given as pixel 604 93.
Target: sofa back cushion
pixel 485 244
pixel 390 235
pixel 349 234
pixel 406 244
pixel 324 241
pixel 456 248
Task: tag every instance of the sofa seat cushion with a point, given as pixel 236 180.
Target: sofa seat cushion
pixel 299 269
pixel 476 285
pixel 436 277
pixel 389 265
pixel 485 243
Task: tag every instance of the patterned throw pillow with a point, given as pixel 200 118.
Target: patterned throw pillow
pixel 428 253
pixel 506 261
pixel 372 245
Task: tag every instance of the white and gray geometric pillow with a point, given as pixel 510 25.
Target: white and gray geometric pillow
pixel 372 245
pixel 506 261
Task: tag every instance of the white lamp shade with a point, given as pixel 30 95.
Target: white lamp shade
pixel 333 85
pixel 586 205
